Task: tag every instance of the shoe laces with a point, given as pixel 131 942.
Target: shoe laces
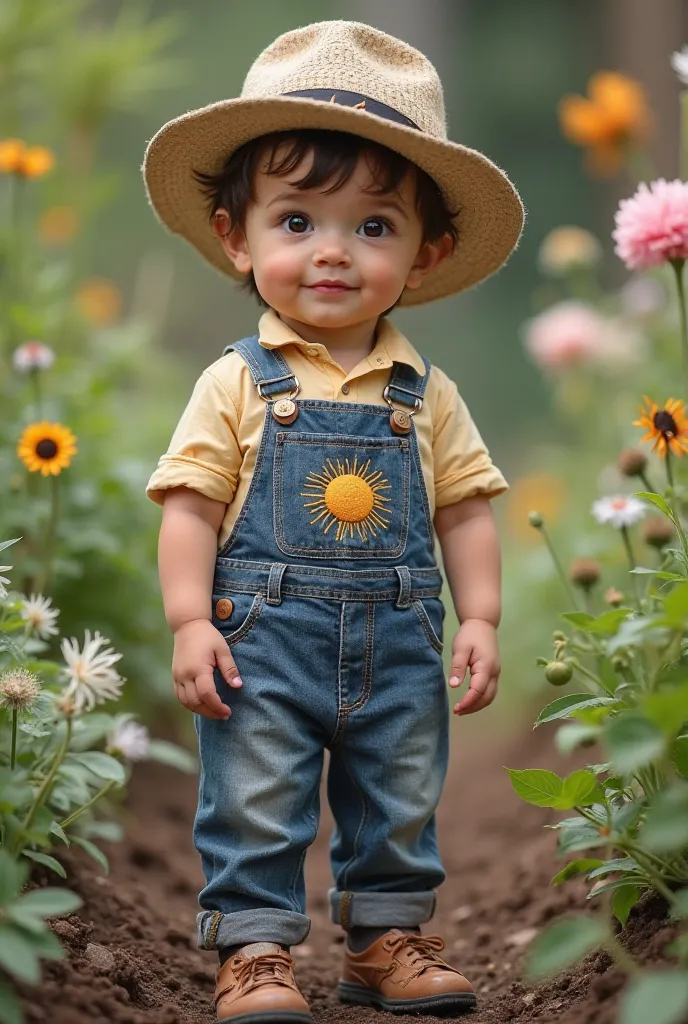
pixel 266 969
pixel 423 949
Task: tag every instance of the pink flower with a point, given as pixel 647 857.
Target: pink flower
pixel 652 226
pixel 33 355
pixel 564 335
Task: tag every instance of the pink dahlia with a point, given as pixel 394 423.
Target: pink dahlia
pixel 652 226
pixel 564 335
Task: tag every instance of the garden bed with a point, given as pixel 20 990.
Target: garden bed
pixel 132 957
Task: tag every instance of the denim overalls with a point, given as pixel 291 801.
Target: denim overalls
pixel 336 628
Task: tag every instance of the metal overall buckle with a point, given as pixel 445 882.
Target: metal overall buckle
pixel 400 419
pixel 284 410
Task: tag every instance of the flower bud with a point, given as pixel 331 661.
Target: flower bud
pixel 614 597
pixel 19 689
pixel 585 573
pixel 558 635
pixel 558 673
pixel 658 531
pixel 632 462
pixel 536 520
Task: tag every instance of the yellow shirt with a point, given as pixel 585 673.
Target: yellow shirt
pixel 214 447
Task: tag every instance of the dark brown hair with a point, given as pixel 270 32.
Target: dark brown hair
pixel 335 156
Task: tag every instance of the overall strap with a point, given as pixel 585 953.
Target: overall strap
pixel 407 387
pixel 269 369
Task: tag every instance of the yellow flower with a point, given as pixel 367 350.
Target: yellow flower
pixel 566 248
pixel 614 116
pixel 667 427
pixel 46 448
pixel 99 301
pixel 543 491
pixel 38 161
pixel 58 225
pixel 11 155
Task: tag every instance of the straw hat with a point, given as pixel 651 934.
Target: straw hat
pixel 349 77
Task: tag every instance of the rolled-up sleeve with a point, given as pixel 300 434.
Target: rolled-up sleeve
pixel 462 463
pixel 204 453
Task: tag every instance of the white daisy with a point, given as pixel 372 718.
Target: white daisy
pixel 4 580
pixel 92 679
pixel 621 511
pixel 130 739
pixel 33 355
pixel 679 62
pixel 39 616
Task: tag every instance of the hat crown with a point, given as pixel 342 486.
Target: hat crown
pixel 349 55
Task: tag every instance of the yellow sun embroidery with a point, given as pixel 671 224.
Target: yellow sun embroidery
pixel 348 495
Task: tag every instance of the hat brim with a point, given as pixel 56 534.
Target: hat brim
pixel 489 212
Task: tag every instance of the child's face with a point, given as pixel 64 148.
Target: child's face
pixel 332 260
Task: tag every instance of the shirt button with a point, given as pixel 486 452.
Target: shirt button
pixel 379 359
pixel 313 352
pixel 345 389
pixel 224 608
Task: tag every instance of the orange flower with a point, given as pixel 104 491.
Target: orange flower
pixel 667 427
pixel 613 117
pixel 543 491
pixel 99 301
pixel 11 155
pixel 58 225
pixel 29 162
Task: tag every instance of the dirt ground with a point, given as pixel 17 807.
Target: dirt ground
pixel 132 957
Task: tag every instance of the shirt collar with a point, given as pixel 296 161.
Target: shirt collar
pixel 390 347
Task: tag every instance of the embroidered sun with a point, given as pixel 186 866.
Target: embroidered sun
pixel 348 495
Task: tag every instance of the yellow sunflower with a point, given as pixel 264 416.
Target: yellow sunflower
pixel 667 427
pixel 46 448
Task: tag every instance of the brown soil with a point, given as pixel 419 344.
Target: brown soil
pixel 131 950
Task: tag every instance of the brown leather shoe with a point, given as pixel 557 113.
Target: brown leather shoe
pixel 259 990
pixel 402 973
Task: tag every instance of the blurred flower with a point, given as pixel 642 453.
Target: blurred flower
pixel 613 597
pixel 632 462
pixel 536 520
pixel 39 616
pixel 58 225
pixel 641 297
pixel 658 531
pixel 19 689
pixel 652 226
pixel 572 333
pixel 130 740
pixel 99 301
pixel 668 427
pixel 585 573
pixel 620 511
pixel 679 62
pixel 614 117
pixel 93 680
pixel 11 155
pixel 46 448
pixel 28 161
pixel 3 581
pixel 566 248
pixel 32 355
pixel 543 491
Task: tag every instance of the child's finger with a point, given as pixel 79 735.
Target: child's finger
pixel 207 692
pixel 459 666
pixel 480 679
pixel 476 700
pixel 227 666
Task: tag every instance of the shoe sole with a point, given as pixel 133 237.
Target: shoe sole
pixel 450 1002
pixel 269 1017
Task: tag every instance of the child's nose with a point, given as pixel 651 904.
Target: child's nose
pixel 332 252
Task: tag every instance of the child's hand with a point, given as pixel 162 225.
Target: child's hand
pixel 198 648
pixel 475 647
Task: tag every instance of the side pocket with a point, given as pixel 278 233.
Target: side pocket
pixel 242 619
pixel 428 628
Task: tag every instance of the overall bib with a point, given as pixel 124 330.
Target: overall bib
pixel 327 594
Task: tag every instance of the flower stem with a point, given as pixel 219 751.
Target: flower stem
pixel 36 382
pixel 625 536
pixel 669 469
pixel 13 752
pixel 560 569
pixel 678 271
pixel 45 788
pixel 44 576
pixel 94 799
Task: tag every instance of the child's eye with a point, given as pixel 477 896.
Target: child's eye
pixel 374 228
pixel 295 223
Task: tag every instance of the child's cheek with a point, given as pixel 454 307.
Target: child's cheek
pixel 278 269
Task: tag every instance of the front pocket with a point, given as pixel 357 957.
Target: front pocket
pixel 341 496
pixel 245 614
pixel 433 635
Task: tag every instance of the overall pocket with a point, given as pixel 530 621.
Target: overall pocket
pixel 430 614
pixel 245 612
pixel 341 496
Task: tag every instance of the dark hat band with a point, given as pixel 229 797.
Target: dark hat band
pixel 356 100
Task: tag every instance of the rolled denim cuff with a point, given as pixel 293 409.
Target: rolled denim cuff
pixel 217 930
pixel 380 909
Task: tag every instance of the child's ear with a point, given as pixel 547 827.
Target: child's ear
pixel 430 255
pixel 233 241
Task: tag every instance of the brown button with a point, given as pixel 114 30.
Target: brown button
pixel 224 608
pixel 345 389
pixel 285 411
pixel 400 422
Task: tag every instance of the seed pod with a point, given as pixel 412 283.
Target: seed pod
pixel 558 673
pixel 658 531
pixel 632 462
pixel 585 573
pixel 614 597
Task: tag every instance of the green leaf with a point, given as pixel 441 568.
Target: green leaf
pixel 172 755
pixel 657 996
pixel 666 826
pixel 10 1009
pixel 657 500
pixel 676 607
pixel 8 543
pixel 623 864
pixel 50 902
pixel 47 861
pixel 12 877
pixel 668 709
pixel 625 898
pixel 578 789
pixel 581 620
pixel 569 737
pixel 582 835
pixel 679 905
pixel 633 742
pixel 563 944
pixel 575 869
pixel 15 652
pixel 57 830
pixel 675 577
pixel 102 765
pixel 17 954
pixel 610 621
pixel 536 786
pixel 94 852
pixel 561 707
